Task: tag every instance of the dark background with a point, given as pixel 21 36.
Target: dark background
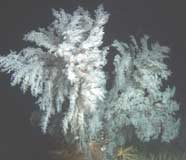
pixel 162 20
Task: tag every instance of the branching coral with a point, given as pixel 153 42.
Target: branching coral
pixel 66 63
pixel 64 71
pixel 138 98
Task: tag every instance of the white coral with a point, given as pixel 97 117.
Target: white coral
pixel 66 64
pixel 137 98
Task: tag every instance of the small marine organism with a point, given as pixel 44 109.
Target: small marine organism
pixel 126 153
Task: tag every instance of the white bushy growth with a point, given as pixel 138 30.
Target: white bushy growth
pixel 66 63
pixel 137 97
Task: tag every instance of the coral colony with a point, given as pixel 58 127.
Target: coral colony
pixel 63 69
